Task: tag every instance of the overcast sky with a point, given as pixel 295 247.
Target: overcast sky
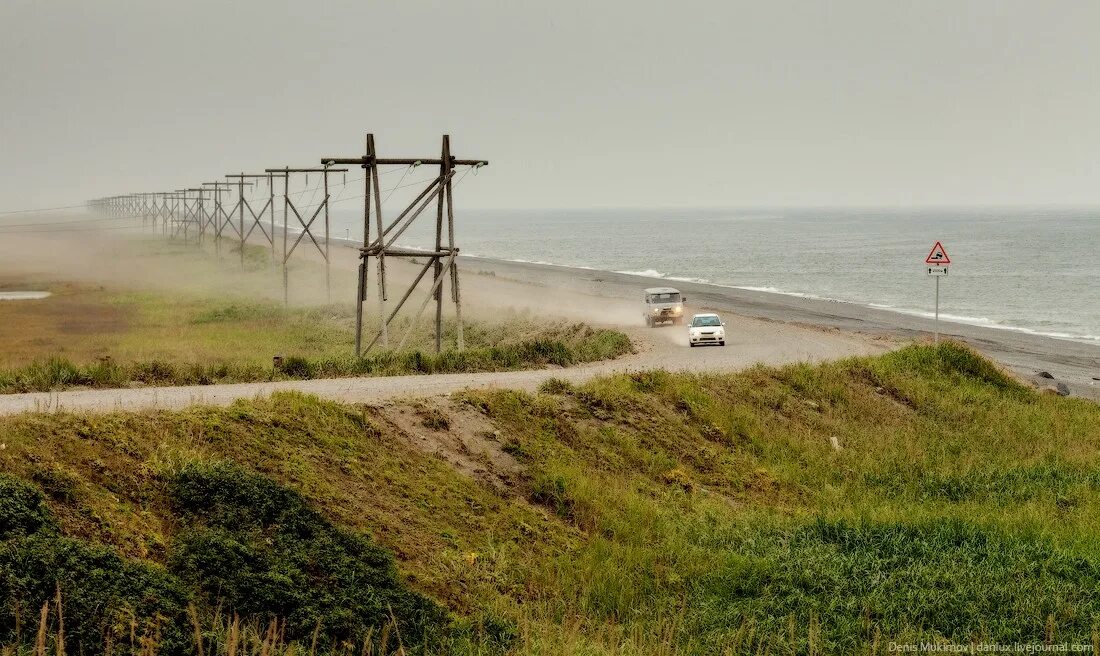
pixel 576 104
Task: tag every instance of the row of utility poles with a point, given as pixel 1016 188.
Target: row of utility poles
pixel 220 211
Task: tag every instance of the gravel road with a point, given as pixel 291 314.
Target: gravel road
pixel 754 341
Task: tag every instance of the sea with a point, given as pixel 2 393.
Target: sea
pixel 1032 270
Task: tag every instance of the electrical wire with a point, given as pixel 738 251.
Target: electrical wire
pixel 391 189
pixel 46 223
pixel 409 168
pixel 289 193
pixel 44 209
pixel 68 230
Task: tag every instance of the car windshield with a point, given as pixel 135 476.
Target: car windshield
pixel 664 298
pixel 706 321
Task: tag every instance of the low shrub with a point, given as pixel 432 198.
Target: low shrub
pixel 246 546
pixel 260 548
pixel 101 593
pixel 551 491
pixel 296 367
pixel 556 386
pixel 22 508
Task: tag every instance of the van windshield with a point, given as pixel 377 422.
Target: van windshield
pixel 706 321
pixel 663 298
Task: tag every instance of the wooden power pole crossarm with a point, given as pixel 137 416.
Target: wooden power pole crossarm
pixel 400 161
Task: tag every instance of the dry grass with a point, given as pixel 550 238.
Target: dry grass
pixel 159 339
pixel 224 635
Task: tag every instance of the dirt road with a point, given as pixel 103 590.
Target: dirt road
pixel 753 341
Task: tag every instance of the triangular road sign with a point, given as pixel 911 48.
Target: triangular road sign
pixel 937 255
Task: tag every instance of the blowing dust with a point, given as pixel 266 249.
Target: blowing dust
pixel 132 260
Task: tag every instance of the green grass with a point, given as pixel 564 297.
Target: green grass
pixel 202 342
pixel 655 513
pixel 245 542
pixel 179 323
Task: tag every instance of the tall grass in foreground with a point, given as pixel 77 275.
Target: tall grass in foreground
pixel 223 635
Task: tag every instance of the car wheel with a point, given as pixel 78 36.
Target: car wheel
pixel 691 344
pixel 722 343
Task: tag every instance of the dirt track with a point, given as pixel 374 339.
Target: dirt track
pixel 753 341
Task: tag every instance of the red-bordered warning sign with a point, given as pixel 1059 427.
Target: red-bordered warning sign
pixel 937 255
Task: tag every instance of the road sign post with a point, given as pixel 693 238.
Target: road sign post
pixel 937 262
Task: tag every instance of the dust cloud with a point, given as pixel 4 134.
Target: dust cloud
pixel 143 260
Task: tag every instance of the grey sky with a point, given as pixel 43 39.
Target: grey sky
pixel 623 103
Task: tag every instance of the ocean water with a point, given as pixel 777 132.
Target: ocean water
pixel 1030 270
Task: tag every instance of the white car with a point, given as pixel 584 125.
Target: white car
pixel 706 329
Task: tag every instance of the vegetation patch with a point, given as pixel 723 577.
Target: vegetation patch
pixel 246 547
pixel 100 337
pixel 261 550
pixel 651 513
pixel 868 582
pixel 80 594
pixel 558 345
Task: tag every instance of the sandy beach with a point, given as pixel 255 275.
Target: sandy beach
pixel 1075 363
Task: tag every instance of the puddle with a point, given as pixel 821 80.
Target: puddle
pixel 22 296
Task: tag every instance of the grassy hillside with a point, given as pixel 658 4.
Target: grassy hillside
pixel 920 495
pixel 102 337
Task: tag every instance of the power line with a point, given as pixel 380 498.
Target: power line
pixel 44 209
pixel 46 223
pixel 66 230
pixel 410 167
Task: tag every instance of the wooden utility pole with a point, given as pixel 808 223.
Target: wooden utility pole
pixel 307 225
pixel 193 212
pixel 268 207
pixel 442 260
pixel 238 208
pixel 177 210
pixel 215 217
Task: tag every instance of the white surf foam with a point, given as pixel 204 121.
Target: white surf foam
pixel 23 296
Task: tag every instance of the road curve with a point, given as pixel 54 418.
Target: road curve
pixel 757 342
